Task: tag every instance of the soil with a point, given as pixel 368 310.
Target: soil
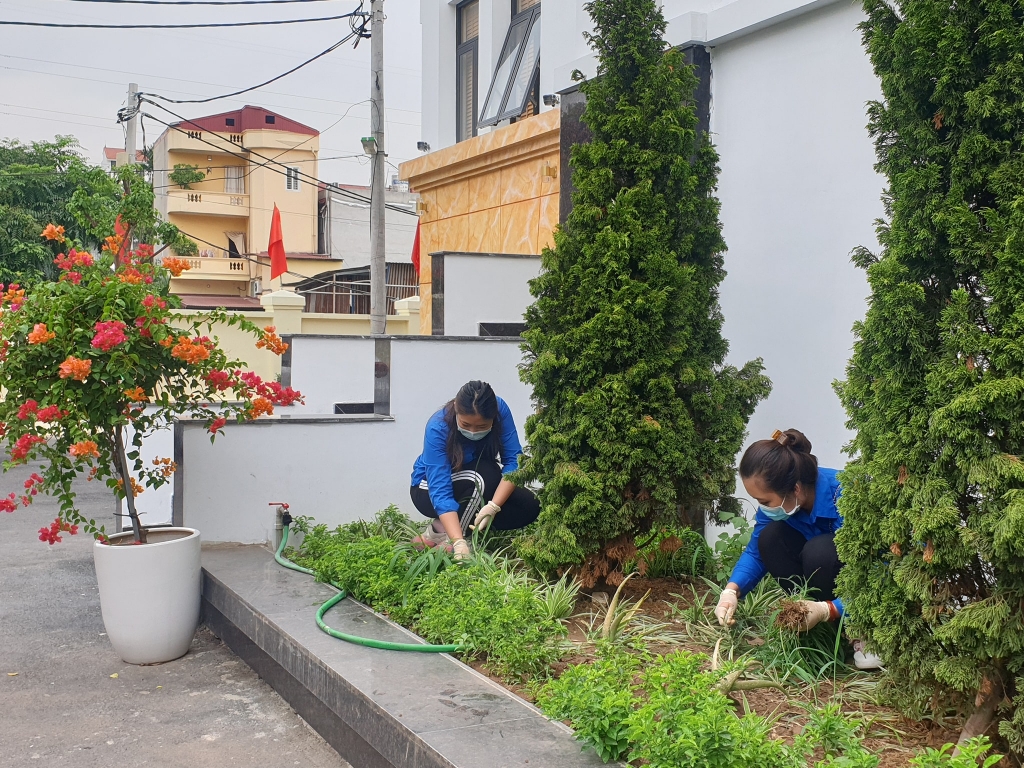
pixel 791 616
pixel 895 738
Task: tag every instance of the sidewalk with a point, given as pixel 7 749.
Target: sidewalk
pixel 67 699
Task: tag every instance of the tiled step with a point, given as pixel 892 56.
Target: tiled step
pixel 378 709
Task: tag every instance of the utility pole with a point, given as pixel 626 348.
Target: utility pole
pixel 378 289
pixel 133 122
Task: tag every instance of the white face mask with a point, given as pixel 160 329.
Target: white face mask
pixel 780 512
pixel 474 436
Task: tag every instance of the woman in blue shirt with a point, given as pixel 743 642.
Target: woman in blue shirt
pixel 458 480
pixel 794 529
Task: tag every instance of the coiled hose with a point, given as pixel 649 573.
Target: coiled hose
pixel 342 594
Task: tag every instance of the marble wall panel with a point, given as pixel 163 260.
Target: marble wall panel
pixel 547 221
pixel 485 191
pixel 452 199
pixel 483 232
pixel 521 181
pixel 519 224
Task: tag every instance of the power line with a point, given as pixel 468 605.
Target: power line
pixel 199 2
pixel 284 172
pixel 173 26
pixel 322 53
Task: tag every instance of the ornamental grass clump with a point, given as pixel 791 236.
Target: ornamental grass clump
pixel 95 362
pixel 638 418
pixel 933 499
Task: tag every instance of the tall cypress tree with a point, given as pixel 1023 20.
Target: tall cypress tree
pixel 933 501
pixel 638 417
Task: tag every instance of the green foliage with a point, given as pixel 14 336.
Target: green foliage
pixel 505 622
pixel 969 756
pixel 933 501
pixel 638 416
pixel 365 568
pixel 37 184
pixel 559 598
pixel 185 175
pixel 666 711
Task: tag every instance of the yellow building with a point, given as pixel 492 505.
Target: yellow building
pixel 253 159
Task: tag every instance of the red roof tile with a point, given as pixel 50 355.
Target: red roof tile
pixel 248 118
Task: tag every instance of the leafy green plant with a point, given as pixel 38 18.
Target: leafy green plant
pixel 638 414
pixel 559 598
pixel 730 545
pixel 970 752
pixel 185 175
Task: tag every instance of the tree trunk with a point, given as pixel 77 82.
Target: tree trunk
pixel 129 495
pixel 990 693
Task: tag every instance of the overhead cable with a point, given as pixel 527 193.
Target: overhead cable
pixel 4 22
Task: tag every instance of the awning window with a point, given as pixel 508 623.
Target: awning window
pixel 513 76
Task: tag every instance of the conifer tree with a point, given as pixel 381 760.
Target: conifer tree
pixel 638 418
pixel 933 501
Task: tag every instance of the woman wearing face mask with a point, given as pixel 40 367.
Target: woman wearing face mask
pixel 458 480
pixel 794 530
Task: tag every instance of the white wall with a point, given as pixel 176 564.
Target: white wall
pixel 486 288
pixel 329 370
pixel 798 192
pixel 349 229
pixel 337 469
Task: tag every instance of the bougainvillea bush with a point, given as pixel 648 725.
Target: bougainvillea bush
pixel 93 363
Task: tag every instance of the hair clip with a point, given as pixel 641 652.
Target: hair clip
pixel 779 436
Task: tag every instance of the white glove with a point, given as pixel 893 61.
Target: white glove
pixel 483 518
pixel 461 549
pixel 815 612
pixel 726 607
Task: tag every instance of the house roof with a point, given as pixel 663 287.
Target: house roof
pixel 265 255
pixel 213 301
pixel 111 153
pixel 248 118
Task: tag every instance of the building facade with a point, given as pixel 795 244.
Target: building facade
pixel 786 83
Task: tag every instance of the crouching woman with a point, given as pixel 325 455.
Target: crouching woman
pixel 469 446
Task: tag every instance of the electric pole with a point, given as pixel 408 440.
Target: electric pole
pixel 133 122
pixel 378 268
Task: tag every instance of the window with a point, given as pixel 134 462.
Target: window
pixel 292 179
pixel 467 31
pixel 514 81
pixel 229 121
pixel 234 180
pixel 269 119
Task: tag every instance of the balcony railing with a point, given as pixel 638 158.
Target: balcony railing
pixel 219 267
pixel 207 203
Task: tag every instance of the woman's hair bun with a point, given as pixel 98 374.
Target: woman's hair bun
pixel 797 440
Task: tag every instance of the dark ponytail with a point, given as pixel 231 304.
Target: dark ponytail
pixel 781 462
pixel 475 397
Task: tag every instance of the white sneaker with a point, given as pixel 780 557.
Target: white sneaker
pixel 865 660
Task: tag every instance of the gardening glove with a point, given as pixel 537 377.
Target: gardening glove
pixel 461 550
pixel 726 607
pixel 815 612
pixel 483 518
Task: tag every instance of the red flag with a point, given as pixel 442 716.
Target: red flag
pixel 416 250
pixel 278 260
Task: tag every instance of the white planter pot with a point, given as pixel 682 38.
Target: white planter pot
pixel 149 594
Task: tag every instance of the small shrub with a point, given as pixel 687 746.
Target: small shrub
pixel 185 175
pixel 367 569
pixel 970 753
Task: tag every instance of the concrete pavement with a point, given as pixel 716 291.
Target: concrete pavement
pixel 67 699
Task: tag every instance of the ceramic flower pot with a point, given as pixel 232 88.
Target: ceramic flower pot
pixel 149 593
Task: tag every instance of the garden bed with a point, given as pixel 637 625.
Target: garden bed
pixel 642 672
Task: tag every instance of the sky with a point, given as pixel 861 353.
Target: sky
pixel 73 81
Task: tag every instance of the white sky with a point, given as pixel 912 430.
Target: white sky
pixel 72 81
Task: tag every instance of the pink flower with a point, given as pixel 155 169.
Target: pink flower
pixel 23 446
pixel 28 408
pixel 52 534
pixel 9 504
pixel 218 423
pixel 50 413
pixel 221 380
pixel 109 334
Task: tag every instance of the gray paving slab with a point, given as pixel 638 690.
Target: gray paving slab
pixel 414 710
pixel 67 699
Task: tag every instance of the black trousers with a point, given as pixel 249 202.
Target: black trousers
pixel 794 560
pixel 473 487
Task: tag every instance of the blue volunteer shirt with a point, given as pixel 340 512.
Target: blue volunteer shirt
pixel 433 464
pixel 822 518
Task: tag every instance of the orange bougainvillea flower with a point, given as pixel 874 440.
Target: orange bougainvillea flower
pixel 261 406
pixel 137 487
pixel 39 334
pixel 190 351
pixel 53 233
pixel 176 266
pixel 272 341
pixel 136 394
pixel 85 448
pixel 113 243
pixel 167 467
pixel 74 368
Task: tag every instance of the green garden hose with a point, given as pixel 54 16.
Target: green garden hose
pixel 342 594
